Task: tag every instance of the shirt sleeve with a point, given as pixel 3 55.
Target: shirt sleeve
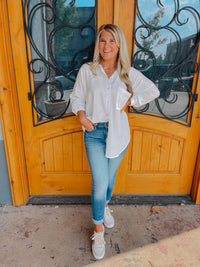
pixel 77 97
pixel 144 90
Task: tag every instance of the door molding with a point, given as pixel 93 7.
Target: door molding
pixel 10 115
pixel 195 194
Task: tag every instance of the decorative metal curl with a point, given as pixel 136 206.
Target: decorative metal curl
pixel 172 81
pixel 44 65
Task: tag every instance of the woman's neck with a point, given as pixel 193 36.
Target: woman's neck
pixel 109 65
pixel 109 68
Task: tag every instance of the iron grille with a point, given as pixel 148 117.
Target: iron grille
pixel 167 55
pixel 59 39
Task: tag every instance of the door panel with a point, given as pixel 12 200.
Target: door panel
pixel 67 153
pixel 161 155
pixel 156 152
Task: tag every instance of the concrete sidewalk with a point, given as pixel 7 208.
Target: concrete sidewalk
pixel 167 236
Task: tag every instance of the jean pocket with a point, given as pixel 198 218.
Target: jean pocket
pixel 94 128
pixel 86 131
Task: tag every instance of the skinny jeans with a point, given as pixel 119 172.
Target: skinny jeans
pixel 103 169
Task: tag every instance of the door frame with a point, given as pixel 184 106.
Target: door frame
pixel 10 115
pixel 10 111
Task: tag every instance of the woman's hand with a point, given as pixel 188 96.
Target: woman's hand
pixel 87 124
pixel 125 106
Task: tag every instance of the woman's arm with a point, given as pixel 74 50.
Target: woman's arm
pixel 144 90
pixel 86 123
pixel 77 97
pixel 125 106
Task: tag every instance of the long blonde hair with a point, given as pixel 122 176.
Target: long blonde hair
pixel 123 62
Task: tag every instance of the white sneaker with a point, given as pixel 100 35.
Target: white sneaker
pixel 98 245
pixel 109 221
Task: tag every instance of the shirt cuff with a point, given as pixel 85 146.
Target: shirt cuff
pixel 76 109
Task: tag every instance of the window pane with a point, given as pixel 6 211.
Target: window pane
pixel 166 46
pixel 61 35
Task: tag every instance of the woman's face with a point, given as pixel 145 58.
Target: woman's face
pixel 107 47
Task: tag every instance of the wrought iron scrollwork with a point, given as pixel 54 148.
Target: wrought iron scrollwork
pixel 174 71
pixel 61 39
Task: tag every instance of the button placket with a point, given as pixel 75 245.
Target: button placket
pixel 108 98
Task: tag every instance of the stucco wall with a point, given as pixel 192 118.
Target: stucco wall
pixel 5 194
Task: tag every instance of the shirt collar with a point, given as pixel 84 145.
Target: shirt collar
pixel 102 71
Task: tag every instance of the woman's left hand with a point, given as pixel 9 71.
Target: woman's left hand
pixel 125 106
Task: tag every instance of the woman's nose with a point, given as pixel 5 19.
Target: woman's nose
pixel 106 44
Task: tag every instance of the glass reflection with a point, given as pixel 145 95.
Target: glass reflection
pixel 166 38
pixel 61 35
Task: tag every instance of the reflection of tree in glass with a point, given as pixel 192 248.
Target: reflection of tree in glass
pixel 155 38
pixel 67 15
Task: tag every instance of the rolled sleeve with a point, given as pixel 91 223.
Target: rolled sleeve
pixel 76 103
pixel 77 97
pixel 144 89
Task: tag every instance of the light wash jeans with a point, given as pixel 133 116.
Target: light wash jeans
pixel 103 169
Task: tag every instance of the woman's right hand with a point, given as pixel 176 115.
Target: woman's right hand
pixel 87 124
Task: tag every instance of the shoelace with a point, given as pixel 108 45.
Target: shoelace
pixel 108 211
pixel 99 239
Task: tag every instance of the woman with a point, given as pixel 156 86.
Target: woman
pixel 102 91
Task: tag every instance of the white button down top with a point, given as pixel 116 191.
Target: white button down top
pixel 102 98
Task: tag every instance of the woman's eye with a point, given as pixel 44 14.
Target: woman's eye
pixel 102 41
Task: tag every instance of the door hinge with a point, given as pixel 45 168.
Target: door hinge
pixel 195 97
pixel 29 96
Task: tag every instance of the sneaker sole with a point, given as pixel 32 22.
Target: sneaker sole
pixel 97 257
pixel 109 226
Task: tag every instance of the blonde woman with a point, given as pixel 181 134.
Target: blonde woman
pixel 102 91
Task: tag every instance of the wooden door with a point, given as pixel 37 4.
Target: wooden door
pixel 162 153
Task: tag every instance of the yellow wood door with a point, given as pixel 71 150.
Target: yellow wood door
pixel 161 155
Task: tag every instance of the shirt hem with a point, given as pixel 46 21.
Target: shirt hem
pixel 109 157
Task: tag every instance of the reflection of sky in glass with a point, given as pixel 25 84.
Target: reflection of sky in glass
pixel 149 8
pixel 82 3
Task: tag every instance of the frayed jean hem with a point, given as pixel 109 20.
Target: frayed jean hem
pixel 98 222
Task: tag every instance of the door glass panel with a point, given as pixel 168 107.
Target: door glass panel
pixel 60 35
pixel 166 43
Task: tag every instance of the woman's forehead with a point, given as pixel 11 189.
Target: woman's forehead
pixel 106 34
